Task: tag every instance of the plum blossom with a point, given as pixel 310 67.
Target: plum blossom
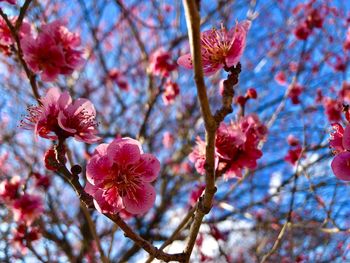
pixel 9 189
pixel 12 2
pixel 294 92
pixel 54 51
pixel 333 109
pixel 170 93
pixel 236 147
pixel 118 77
pixel 281 78
pixel 23 235
pixel 294 154
pixel 119 177
pixel 161 63
pixel 27 208
pixel 346 44
pixel 196 194
pixel 6 38
pixel 60 116
pixel 340 143
pixel 220 48
pixel 168 140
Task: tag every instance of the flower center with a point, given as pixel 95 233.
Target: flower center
pixel 127 181
pixel 216 45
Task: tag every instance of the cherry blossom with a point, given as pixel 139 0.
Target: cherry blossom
pixel 27 208
pixel 24 235
pixel 9 189
pixel 220 48
pixel 54 51
pixel 333 109
pixel 168 140
pixel 340 142
pixel 171 92
pixel 6 38
pixel 120 177
pixel 119 79
pixel 59 116
pixel 236 147
pixel 161 63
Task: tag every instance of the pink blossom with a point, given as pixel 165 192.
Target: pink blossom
pixel 195 194
pixel 12 2
pixel 60 116
pixel 345 92
pixel 120 177
pixel 302 31
pixel 9 189
pixel 42 181
pixel 6 38
pixel 54 51
pixel 161 63
pixel 119 79
pixel 281 78
pixel 197 156
pixel 220 48
pixel 24 235
pixel 336 138
pixel 346 44
pixel 340 142
pixel 236 147
pixel 292 141
pixel 168 140
pixel 170 93
pixel 293 155
pixel 314 19
pixel 27 208
pixel 294 93
pixel 333 109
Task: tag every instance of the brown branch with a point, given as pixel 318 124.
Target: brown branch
pixel 13 29
pixel 155 252
pixel 204 205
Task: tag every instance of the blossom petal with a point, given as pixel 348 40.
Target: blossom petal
pixel 185 61
pixel 149 167
pixel 238 44
pixel 98 170
pixel 64 100
pixel 124 151
pixel 341 166
pixel 143 201
pixel 346 138
pixel 100 202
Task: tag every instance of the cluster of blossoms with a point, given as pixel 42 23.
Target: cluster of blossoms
pixel 340 144
pixel 236 147
pixel 161 63
pixel 118 77
pixel 295 151
pixel 59 116
pixel 119 177
pixel 170 93
pixel 334 108
pixel 220 48
pixel 26 208
pixel 53 51
pixel 294 92
pixel 6 38
pixel 119 174
pixel 313 19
